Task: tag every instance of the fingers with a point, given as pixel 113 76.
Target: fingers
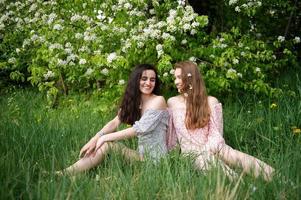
pixel 89 151
pixel 82 152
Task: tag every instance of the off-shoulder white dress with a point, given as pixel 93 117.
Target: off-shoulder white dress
pixel 151 131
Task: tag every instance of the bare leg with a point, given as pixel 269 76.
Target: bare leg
pixel 205 161
pixel 87 163
pixel 248 163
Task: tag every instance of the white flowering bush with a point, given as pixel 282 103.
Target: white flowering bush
pixel 61 46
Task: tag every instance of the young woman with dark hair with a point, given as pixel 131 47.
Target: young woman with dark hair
pixel 141 107
pixel 196 122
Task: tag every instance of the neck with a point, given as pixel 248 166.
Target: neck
pixel 145 97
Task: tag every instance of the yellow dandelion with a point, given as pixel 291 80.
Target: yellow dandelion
pixel 296 130
pixel 273 106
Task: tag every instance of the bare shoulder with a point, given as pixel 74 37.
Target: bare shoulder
pixel 212 101
pixel 158 103
pixel 173 101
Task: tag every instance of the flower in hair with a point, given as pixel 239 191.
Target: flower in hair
pixel 185 94
pixel 189 75
pixel 190 87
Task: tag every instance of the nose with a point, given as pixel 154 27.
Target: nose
pixel 176 81
pixel 147 82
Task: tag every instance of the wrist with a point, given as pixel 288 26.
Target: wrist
pixel 100 133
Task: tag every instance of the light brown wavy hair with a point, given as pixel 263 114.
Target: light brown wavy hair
pixel 194 90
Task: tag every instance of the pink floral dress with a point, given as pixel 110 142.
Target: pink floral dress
pixel 202 143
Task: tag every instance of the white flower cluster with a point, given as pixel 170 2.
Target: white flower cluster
pixel 89 35
pixel 160 50
pixel 61 62
pixel 180 20
pixel 48 75
pixel 12 60
pixel 57 27
pixel 219 43
pixel 249 4
pixel 111 57
pixel 55 46
pixel 75 18
pixel 121 82
pixel 281 38
pixel 89 71
pixel 82 61
pixel 51 18
pixel 104 71
pixel 296 40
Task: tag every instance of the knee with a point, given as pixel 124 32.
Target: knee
pixel 106 146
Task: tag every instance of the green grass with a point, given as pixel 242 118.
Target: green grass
pixel 35 138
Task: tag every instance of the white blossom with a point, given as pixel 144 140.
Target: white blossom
pixel 57 27
pixel 181 2
pixel 257 69
pixel 184 41
pixel 68 45
pixel 34 37
pixel 140 44
pixel 75 18
pixel 159 47
pixel 82 61
pixel 55 46
pixel 78 35
pixel 61 62
pixel 71 57
pixel 237 9
pixel 128 6
pixel 193 59
pixel 231 73
pixel 281 38
pixel 272 12
pixel 152 11
pixel 297 40
pixel 195 24
pixel 104 71
pixel 51 18
pixel 89 71
pixel 121 82
pixel 111 57
pixel 235 61
pixel 166 35
pixel 48 75
pixel 231 2
pixel 33 7
pixel 2 26
pixel 186 27
pixel 165 74
pixel 193 32
pixel 172 71
pixel 12 60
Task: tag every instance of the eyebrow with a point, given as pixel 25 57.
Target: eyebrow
pixel 148 77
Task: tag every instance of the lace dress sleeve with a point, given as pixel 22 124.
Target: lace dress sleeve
pixel 171 137
pixel 150 120
pixel 215 129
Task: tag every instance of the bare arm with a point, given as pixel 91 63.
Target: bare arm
pixel 110 127
pixel 119 135
pixel 89 147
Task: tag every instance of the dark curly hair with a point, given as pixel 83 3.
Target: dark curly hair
pixel 129 108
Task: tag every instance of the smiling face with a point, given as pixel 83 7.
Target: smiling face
pixel 178 79
pixel 147 82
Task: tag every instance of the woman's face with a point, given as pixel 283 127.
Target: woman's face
pixel 178 79
pixel 147 81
